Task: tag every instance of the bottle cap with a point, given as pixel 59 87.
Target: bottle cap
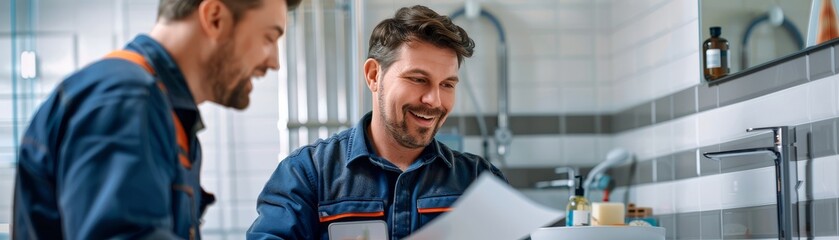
pixel 716 31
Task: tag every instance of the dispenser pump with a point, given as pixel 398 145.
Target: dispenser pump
pixel 578 183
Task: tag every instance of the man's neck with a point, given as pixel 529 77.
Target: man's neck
pixel 388 148
pixel 181 42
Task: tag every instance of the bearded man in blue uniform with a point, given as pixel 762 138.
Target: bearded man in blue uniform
pixel 113 152
pixel 388 168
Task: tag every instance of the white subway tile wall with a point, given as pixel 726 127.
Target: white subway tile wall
pixel 709 190
pixel 821 99
pixel 658 41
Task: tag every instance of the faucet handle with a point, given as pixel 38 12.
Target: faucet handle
pixel 780 132
pixel 774 129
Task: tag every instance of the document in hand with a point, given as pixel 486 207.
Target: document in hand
pixel 489 209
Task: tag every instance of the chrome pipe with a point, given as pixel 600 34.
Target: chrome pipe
pixel 503 135
pixel 356 97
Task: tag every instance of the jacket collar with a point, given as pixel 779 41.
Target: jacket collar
pixel 171 76
pixel 360 147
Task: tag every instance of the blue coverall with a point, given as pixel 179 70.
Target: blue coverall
pixel 100 159
pixel 342 179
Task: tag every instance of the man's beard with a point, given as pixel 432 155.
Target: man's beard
pixel 221 69
pixel 399 130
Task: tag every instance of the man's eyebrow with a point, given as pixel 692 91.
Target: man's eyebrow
pixel 417 71
pixel 425 73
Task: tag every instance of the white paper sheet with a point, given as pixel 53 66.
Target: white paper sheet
pixel 489 209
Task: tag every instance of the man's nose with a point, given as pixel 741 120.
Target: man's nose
pixel 273 61
pixel 432 97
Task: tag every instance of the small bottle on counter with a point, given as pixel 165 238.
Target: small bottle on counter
pixel 716 55
pixel 578 208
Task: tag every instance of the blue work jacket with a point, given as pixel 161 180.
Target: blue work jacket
pixel 99 159
pixel 342 179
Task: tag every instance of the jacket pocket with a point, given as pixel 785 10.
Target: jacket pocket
pixel 351 209
pixel 431 207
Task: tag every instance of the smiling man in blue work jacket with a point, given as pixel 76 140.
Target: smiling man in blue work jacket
pixel 388 167
pixel 113 153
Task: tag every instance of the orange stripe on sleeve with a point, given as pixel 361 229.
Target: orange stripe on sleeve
pixel 346 215
pixel 434 210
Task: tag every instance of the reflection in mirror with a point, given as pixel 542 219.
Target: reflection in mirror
pixel 758 31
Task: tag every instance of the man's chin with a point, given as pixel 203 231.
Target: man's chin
pixel 240 97
pixel 241 106
pixel 424 139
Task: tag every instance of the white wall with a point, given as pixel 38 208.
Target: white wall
pixel 654 47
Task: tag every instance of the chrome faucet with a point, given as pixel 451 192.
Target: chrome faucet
pixel 560 183
pixel 786 173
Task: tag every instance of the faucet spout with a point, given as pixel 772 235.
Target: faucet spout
pixel 786 174
pixel 560 183
pixel 718 156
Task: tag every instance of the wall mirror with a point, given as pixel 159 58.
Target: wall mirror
pixel 758 31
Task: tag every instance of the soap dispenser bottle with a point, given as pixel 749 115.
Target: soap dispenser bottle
pixel 716 55
pixel 578 209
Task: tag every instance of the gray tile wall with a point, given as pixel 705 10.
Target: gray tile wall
pixel 711 224
pixel 684 103
pixel 821 63
pixel 757 222
pixel 707 166
pixel 823 222
pixel 707 97
pixel 688 225
pixel 821 133
pixel 750 222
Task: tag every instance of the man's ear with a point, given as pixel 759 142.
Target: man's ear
pixel 215 18
pixel 371 74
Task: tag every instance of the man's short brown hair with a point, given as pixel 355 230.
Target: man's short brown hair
pixel 174 10
pixel 417 23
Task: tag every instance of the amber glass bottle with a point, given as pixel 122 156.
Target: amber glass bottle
pixel 716 55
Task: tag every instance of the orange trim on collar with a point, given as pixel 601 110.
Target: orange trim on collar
pixel 132 57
